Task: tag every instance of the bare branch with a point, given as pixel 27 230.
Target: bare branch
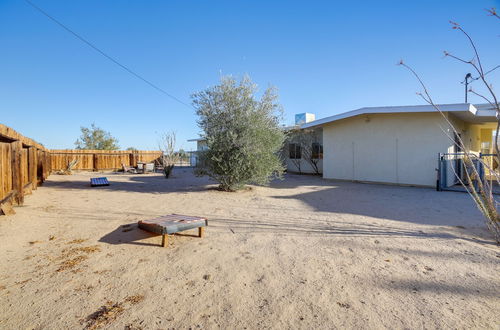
pixel 481 96
pixel 493 12
pixel 483 193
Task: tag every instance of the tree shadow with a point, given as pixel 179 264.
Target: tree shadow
pixel 480 289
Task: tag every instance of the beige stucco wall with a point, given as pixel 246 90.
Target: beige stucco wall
pixel 390 148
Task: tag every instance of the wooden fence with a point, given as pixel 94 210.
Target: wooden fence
pixel 24 164
pixel 98 160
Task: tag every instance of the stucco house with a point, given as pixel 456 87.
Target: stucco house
pixel 395 144
pixel 400 144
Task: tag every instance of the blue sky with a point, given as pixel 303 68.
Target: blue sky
pixel 325 57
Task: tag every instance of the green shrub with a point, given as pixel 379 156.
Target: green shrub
pixel 243 134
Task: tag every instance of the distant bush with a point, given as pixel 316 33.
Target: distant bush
pixel 94 138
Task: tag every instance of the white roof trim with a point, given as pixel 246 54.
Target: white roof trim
pixel 395 109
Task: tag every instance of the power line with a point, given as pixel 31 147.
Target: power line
pixel 477 78
pixel 88 43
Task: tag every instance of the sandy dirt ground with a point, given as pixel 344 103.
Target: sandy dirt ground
pixel 303 253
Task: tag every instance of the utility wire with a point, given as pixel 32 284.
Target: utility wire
pixel 88 43
pixel 477 78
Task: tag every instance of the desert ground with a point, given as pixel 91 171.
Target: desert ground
pixel 303 253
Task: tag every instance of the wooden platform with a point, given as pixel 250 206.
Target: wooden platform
pixel 173 223
pixel 98 182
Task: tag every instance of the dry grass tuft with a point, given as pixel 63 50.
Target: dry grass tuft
pixel 77 241
pixel 84 249
pixel 80 253
pixel 135 299
pixel 109 312
pixel 71 263
pixel 343 305
pixel 23 282
pixel 132 327
pixel 34 242
pixel 52 237
pixel 104 315
pixel 88 249
pixel 85 288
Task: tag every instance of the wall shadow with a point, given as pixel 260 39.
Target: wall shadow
pixel 409 204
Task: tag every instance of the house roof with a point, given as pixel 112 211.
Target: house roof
pixel 196 140
pixel 466 111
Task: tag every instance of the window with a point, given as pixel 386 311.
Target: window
pixel 295 152
pixel 317 151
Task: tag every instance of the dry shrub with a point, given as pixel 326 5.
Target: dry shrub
pixel 77 250
pixel 109 312
pixel 69 168
pixel 71 263
pixel 135 299
pixel 80 252
pixel 77 241
pixel 88 249
pixel 104 315
pixel 23 282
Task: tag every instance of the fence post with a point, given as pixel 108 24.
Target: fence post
pixel 133 159
pixel 17 172
pixel 49 163
pixel 94 159
pixel 32 165
pixel 44 166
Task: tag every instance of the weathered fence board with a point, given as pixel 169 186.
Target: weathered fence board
pixel 23 164
pixel 5 173
pixel 98 160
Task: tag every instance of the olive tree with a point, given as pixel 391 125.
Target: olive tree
pixel 243 134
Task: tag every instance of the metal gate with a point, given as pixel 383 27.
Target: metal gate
pixel 451 171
